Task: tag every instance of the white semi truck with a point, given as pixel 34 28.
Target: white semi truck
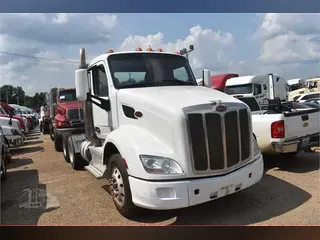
pixel 162 141
pixel 262 87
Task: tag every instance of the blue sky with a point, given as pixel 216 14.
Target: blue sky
pixel 286 44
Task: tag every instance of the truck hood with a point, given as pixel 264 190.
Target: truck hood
pixel 70 105
pixel 172 98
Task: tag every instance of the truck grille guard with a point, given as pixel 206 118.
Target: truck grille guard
pixel 219 142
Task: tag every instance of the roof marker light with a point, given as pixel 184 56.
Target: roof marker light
pixel 110 51
pixel 139 49
pixel 160 50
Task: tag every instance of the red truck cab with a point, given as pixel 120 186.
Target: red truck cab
pixel 69 116
pixel 218 82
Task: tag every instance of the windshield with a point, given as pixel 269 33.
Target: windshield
pixel 239 89
pixel 149 70
pixel 251 102
pixel 295 87
pixel 67 95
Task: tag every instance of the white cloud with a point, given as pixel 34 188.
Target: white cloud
pixel 290 45
pixel 210 52
pixel 289 38
pixel 53 36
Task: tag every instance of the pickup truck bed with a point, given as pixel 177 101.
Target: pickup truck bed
pixel 287 132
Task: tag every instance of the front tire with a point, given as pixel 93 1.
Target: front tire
pixel 119 187
pixel 57 141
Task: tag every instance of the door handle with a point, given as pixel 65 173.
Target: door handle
pixel 97 130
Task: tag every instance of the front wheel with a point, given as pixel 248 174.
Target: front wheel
pixel 119 187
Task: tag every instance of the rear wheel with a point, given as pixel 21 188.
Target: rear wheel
pixel 65 146
pixel 57 141
pixel 120 188
pixel 77 162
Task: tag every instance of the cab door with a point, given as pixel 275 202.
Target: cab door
pixel 101 110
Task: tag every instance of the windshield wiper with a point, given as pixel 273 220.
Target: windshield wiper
pixel 179 82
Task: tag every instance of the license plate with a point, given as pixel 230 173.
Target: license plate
pixel 305 141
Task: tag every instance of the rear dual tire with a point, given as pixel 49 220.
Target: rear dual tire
pixel 75 159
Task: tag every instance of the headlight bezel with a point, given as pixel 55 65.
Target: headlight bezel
pixel 156 167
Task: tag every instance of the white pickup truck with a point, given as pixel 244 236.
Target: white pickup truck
pixel 283 128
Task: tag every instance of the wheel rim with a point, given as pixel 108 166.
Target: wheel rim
pixel 70 150
pixel 117 187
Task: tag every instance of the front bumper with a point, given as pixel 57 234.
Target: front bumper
pixel 180 194
pixel 296 145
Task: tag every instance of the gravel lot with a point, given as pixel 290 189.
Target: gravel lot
pixel 288 194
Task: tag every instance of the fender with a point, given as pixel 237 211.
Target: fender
pixel 131 141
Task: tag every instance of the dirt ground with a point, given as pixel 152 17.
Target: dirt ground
pixel 288 194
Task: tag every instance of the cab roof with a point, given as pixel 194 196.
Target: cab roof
pixel 104 56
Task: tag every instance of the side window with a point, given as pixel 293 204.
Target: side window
pixel 180 74
pixel 257 89
pixel 100 82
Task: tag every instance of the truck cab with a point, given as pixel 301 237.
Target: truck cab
pixel 68 118
pixel 311 85
pixel 162 141
pixel 262 87
pixel 218 82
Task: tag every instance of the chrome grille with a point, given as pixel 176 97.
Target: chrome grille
pixel 74 114
pixel 219 142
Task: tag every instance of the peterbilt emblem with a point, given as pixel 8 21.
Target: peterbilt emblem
pixel 305 124
pixel 221 108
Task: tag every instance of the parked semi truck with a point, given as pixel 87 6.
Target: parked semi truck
pixel 68 118
pixel 262 87
pixel 218 82
pixel 162 141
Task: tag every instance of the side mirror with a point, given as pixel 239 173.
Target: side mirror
pixel 82 87
pixel 206 78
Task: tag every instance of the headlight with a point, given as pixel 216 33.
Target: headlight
pixel 256 149
pixel 160 165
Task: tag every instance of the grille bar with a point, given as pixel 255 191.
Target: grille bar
pixel 219 142
pixel 214 133
pixel 198 141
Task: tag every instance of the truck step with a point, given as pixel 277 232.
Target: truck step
pixel 96 150
pixel 96 171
